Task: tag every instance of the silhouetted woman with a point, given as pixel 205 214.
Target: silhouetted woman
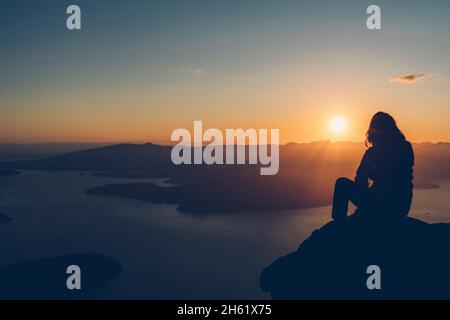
pixel 388 163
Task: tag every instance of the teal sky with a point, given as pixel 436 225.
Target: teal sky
pixel 139 69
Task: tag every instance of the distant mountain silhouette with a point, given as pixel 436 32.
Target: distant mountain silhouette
pixel 33 151
pixel 116 158
pixel 306 177
pixel 332 262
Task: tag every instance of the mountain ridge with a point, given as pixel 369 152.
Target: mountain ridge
pixel 305 179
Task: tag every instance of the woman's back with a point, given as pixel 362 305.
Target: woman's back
pixel 390 167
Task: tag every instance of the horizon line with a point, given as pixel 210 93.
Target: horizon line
pixel 167 143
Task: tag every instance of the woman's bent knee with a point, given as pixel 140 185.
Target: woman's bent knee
pixel 342 181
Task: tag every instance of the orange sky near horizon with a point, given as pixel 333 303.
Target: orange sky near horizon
pixel 128 117
pixel 138 131
pixel 301 111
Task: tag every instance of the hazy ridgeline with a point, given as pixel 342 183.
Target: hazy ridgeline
pixel 305 179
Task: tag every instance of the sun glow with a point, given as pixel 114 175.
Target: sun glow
pixel 338 124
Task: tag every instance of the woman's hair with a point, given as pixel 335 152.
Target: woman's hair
pixel 383 130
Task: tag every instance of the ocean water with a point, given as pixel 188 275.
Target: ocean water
pixel 165 254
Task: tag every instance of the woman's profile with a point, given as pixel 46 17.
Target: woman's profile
pixel 388 163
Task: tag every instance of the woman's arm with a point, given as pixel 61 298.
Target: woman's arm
pixel 363 172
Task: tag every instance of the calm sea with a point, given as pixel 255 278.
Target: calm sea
pixel 165 254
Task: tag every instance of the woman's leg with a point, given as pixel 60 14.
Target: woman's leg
pixel 346 190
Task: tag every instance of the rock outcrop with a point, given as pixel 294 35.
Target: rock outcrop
pixel 413 256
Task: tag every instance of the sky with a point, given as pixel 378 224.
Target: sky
pixel 140 69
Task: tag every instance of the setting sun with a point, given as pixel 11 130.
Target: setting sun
pixel 338 124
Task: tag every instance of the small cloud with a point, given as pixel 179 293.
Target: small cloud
pixel 192 70
pixel 410 78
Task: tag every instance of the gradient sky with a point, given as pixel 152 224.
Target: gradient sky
pixel 139 69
